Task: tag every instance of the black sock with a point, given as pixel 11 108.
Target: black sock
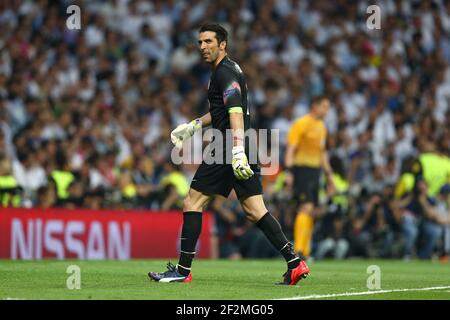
pixel 272 229
pixel 292 259
pixel 192 226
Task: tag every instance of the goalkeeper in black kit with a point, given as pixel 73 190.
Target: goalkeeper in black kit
pixel 227 95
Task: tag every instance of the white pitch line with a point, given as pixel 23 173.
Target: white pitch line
pixel 348 294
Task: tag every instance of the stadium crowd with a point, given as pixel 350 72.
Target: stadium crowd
pixel 86 115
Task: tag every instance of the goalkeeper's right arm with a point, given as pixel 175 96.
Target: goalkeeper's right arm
pixel 186 130
pixel 206 120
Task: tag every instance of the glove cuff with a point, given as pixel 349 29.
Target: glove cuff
pixel 237 149
pixel 196 124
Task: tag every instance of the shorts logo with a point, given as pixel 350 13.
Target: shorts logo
pixel 234 89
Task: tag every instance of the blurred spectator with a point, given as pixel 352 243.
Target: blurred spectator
pixel 30 175
pixel 443 209
pixel 129 191
pixel 9 188
pixel 145 178
pixel 173 187
pixel 46 196
pixel 61 174
pixel 420 218
pixel 374 224
pixel 330 235
pixel 228 223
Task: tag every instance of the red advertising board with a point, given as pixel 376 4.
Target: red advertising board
pixel 94 234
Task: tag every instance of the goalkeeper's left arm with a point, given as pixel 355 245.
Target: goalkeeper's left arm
pixel 241 167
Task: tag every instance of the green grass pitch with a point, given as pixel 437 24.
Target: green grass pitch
pixel 223 279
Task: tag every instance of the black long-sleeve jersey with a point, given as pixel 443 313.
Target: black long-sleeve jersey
pixel 227 89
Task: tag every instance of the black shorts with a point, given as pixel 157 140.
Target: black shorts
pixel 306 184
pixel 219 179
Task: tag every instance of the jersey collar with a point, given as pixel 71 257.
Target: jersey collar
pixel 221 61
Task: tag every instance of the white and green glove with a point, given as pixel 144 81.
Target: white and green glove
pixel 240 165
pixel 184 131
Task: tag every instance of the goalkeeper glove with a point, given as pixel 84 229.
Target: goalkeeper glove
pixel 184 131
pixel 241 168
